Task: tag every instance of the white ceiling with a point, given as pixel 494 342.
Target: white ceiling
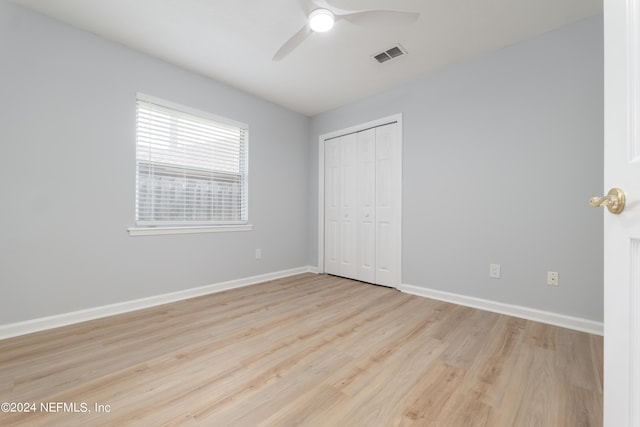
pixel 233 41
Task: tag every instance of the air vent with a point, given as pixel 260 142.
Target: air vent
pixel 389 54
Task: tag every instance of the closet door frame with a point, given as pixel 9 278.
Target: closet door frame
pixel 395 118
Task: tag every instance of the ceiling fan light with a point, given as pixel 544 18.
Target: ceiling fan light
pixel 321 20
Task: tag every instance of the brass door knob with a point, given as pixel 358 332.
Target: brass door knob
pixel 614 201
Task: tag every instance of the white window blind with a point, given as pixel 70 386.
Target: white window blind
pixel 190 168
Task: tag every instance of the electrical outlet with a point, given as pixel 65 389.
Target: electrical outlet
pixel 258 253
pixel 552 278
pixel 494 271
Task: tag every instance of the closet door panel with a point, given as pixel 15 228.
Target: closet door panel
pixel 366 205
pixel 348 206
pixel 388 199
pixel 332 208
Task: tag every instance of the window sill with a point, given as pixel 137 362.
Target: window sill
pixel 152 231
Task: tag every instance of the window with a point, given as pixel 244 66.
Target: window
pixel 191 167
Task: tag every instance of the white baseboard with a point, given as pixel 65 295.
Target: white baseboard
pixel 575 323
pixel 56 321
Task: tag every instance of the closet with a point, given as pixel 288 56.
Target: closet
pixel 362 204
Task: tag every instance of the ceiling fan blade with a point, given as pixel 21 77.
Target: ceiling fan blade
pixel 292 43
pixel 324 4
pixel 306 6
pixel 381 18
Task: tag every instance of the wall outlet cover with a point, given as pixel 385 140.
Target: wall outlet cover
pixel 494 271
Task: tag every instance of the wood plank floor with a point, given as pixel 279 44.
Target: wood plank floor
pixel 309 350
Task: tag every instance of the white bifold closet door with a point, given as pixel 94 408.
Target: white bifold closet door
pixel 362 205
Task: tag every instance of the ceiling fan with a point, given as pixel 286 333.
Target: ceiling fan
pixel 321 17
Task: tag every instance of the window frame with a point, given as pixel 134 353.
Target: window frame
pixel 155 227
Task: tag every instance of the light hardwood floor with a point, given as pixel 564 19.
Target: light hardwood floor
pixel 309 350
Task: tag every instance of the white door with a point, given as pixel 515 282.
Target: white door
pixel 366 212
pixel 331 207
pixel 348 201
pixel 388 198
pixel 360 193
pixel 622 232
pixel 340 206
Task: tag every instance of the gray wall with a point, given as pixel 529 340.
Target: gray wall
pixel 67 176
pixel 515 136
pixel 501 154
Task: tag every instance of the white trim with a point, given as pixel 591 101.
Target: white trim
pixel 153 231
pixel 633 37
pixel 569 322
pixel 56 321
pixel 321 204
pixel 634 330
pixel 191 110
pixel 321 139
pixel 357 128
